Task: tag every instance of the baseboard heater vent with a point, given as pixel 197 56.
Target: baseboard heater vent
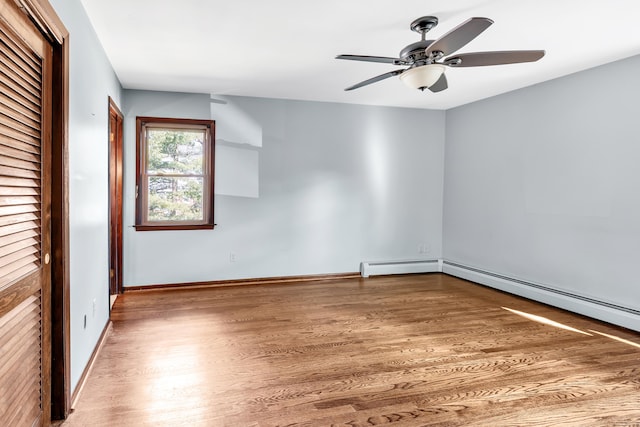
pixel 598 309
pixel 399 267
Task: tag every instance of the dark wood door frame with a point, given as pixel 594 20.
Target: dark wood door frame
pixel 60 279
pixel 45 18
pixel 115 198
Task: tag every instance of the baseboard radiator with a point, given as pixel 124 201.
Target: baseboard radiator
pixel 399 267
pixel 611 313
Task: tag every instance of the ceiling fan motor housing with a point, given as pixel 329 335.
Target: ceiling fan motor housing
pixel 416 52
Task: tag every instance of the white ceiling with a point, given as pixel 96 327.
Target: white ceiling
pixel 286 48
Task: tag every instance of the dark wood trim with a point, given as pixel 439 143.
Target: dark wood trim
pixel 114 106
pixel 175 121
pixel 115 143
pixel 92 359
pixel 244 282
pixel 60 276
pixel 46 19
pixel 45 243
pixel 44 16
pixel 138 213
pixel 208 199
pixel 174 227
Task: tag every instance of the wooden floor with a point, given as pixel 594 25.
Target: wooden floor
pixel 405 351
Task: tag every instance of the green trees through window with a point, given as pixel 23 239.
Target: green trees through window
pixel 175 169
pixel 175 180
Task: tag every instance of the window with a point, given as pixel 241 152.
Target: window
pixel 174 185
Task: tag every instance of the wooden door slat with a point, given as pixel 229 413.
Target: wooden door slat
pixel 22 98
pixel 24 113
pixel 22 334
pixel 18 200
pixel 19 191
pixel 11 331
pixel 25 400
pixel 25 361
pixel 7 111
pixel 29 69
pixel 21 145
pixel 15 317
pixel 21 164
pixel 18 218
pixel 19 263
pixel 7 181
pixel 22 108
pixel 13 129
pixel 15 332
pixel 14 89
pixel 8 171
pixel 27 367
pixel 6 72
pixel 20 244
pixel 19 227
pixel 18 269
pixel 32 416
pixel 27 412
pixel 17 209
pixel 21 52
pixel 17 256
pixel 18 237
pixel 18 337
pixel 21 362
pixel 19 154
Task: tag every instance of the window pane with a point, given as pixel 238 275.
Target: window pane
pixel 175 199
pixel 175 151
pixel 174 184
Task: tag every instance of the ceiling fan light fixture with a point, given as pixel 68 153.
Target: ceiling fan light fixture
pixel 422 77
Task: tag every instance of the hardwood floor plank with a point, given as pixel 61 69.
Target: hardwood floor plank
pixel 412 350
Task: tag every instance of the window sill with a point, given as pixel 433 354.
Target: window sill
pixel 165 227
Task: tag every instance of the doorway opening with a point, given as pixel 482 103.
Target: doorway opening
pixel 115 201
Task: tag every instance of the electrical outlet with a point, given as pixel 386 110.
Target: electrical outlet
pixel 93 308
pixel 232 257
pixel 424 248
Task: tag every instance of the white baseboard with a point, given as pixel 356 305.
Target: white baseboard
pixel 399 267
pixel 620 316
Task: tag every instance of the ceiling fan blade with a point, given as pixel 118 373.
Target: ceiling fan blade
pixel 480 59
pixel 440 85
pixel 459 36
pixel 383 59
pixel 375 79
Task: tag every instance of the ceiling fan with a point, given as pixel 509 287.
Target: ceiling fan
pixel 425 58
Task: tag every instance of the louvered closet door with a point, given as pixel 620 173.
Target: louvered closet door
pixel 24 224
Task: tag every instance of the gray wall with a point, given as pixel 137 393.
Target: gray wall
pixel 542 184
pixel 302 188
pixel 91 82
